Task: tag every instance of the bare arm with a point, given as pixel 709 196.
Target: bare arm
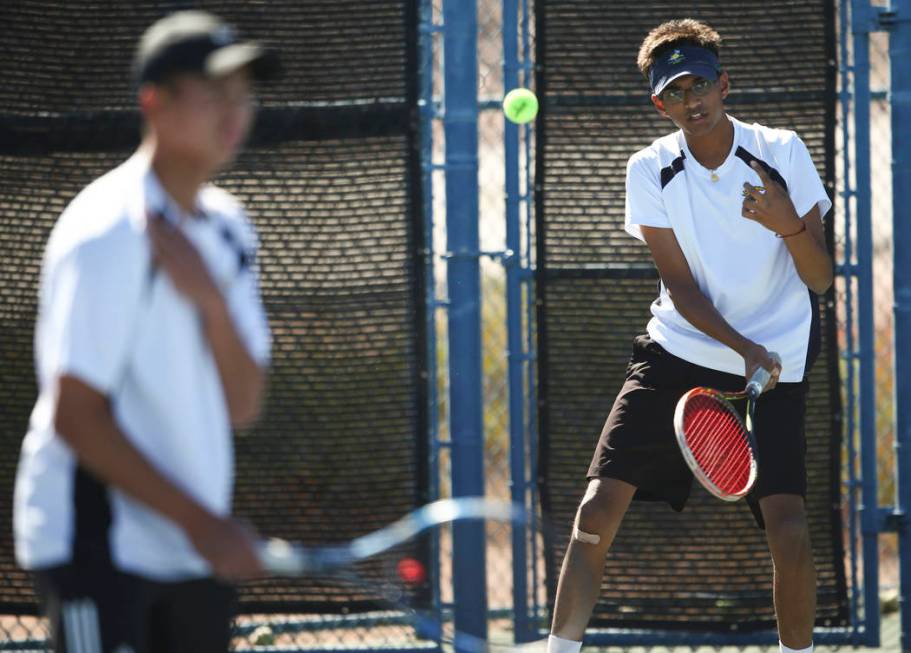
pixel 82 417
pixel 242 379
pixel 805 240
pixel 692 304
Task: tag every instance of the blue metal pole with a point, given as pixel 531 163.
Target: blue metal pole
pixel 427 114
pixel 527 74
pixel 849 354
pixel 517 441
pixel 899 51
pixel 460 74
pixel 861 25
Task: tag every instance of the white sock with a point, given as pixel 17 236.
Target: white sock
pixel 784 649
pixel 559 645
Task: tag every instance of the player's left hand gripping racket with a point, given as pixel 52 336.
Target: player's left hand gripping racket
pixel 715 442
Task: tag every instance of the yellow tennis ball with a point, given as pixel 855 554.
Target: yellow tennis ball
pixel 520 105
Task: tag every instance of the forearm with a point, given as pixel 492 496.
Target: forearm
pixel 241 378
pixel 702 314
pixel 89 429
pixel 812 261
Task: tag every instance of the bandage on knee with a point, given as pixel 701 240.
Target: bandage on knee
pixel 585 538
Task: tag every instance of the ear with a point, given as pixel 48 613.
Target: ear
pixel 149 97
pixel 724 82
pixel 659 106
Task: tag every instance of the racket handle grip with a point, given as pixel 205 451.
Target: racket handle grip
pixel 760 378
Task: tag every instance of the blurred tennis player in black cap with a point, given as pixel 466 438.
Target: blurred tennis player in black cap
pixel 151 343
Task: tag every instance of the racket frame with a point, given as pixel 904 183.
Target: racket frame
pixel 725 400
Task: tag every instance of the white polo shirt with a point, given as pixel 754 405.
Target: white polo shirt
pixel 109 318
pixel 742 267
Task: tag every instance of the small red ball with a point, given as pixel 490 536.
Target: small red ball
pixel 411 571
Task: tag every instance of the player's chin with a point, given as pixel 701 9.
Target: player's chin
pixel 225 155
pixel 697 127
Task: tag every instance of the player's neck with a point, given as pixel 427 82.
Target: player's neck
pixel 712 148
pixel 179 177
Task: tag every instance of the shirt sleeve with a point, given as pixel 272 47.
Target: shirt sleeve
pixel 805 187
pixel 246 307
pixel 644 204
pixel 91 303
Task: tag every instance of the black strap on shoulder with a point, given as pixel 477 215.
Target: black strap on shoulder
pixel 748 158
pixel 668 172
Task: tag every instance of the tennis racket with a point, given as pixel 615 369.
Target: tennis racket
pixel 715 442
pixel 401 575
pixel 283 558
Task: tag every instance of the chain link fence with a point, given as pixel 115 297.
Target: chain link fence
pixel 881 191
pixel 492 216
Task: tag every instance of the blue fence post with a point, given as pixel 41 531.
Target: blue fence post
pixel 899 53
pixel 848 270
pixel 528 280
pixel 862 23
pixel 427 30
pixel 518 442
pixel 460 76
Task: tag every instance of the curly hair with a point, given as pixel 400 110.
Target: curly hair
pixel 673 33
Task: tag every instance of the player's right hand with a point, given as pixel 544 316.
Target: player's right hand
pixel 758 356
pixel 179 258
pixel 229 547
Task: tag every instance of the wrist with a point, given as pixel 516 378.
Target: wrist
pixel 802 228
pixel 195 520
pixel 792 226
pixel 744 346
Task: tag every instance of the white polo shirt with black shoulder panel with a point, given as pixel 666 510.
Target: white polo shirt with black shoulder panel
pixel 109 317
pixel 742 267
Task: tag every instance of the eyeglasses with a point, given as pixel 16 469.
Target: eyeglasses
pixel 700 88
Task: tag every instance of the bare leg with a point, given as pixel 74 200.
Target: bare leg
pixel 600 513
pixel 795 575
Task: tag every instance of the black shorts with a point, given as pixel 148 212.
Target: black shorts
pixel 638 445
pixel 93 607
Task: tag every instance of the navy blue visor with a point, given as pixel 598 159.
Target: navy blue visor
pixel 683 60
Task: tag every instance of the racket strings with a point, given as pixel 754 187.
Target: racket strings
pixel 718 441
pixel 717 451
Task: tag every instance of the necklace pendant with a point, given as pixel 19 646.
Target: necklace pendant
pixel 714 176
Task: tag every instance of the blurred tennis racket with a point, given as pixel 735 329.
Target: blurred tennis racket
pixel 402 575
pixel 715 442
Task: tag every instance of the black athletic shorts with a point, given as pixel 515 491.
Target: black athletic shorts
pixel 638 445
pixel 94 608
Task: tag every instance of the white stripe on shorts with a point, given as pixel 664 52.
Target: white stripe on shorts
pixel 91 626
pixel 81 628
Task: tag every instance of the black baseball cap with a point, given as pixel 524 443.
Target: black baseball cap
pixel 684 59
pixel 198 42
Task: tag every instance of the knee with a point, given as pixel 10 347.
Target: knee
pixel 789 541
pixel 597 513
pixel 592 516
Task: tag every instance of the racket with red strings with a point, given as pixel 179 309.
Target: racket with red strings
pixel 716 443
